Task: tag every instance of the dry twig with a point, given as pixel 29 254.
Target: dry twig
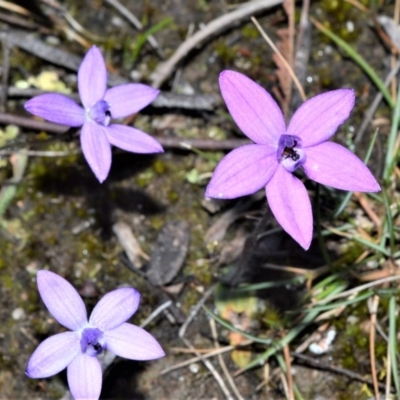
pixel 312 362
pixel 222 362
pixel 288 361
pixel 289 68
pixel 208 353
pixel 164 70
pixel 373 308
pixel 168 142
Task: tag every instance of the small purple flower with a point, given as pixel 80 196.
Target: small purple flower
pixel 278 151
pixel 99 107
pixel 78 350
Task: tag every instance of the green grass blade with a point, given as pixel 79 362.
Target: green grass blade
pixel 390 156
pixel 342 228
pixel 388 226
pixel 393 344
pixel 266 285
pixel 396 255
pixel 229 326
pixel 328 307
pixel 331 290
pixel 9 189
pixel 352 53
pixel 376 197
pixel 277 346
pixel 321 242
pixel 282 365
pixel 142 38
pixel 373 246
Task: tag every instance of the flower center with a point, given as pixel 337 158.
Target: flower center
pixel 92 342
pixel 100 113
pixel 290 153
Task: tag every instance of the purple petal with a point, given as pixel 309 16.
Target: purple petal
pixel 85 377
pixel 96 149
pixel 333 165
pixel 133 342
pixel 243 171
pixel 128 99
pixel 62 300
pixel 115 308
pixel 56 108
pixel 132 139
pixel 317 119
pixel 289 202
pixel 92 77
pixel 53 355
pixel 253 109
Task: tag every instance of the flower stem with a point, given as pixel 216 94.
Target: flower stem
pixel 321 241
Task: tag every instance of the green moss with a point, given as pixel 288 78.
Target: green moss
pixel 6 281
pixel 160 167
pixel 225 53
pixel 144 178
pixel 250 32
pixel 173 196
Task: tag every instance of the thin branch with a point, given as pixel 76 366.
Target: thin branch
pixel 358 289
pixel 164 71
pixel 199 101
pixel 211 368
pixel 312 362
pixel 168 142
pixel 195 311
pixel 373 308
pixel 288 361
pixel 210 353
pixel 222 362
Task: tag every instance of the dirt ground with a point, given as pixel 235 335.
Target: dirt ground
pixel 62 219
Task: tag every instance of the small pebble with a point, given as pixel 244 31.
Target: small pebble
pixel 194 368
pixel 117 21
pixel 53 40
pixel 18 314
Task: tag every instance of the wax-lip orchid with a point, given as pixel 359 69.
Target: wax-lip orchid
pixel 106 329
pixel 100 106
pixel 278 151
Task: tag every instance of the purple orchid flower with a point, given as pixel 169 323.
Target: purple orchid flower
pixel 99 107
pixel 78 350
pixel 279 151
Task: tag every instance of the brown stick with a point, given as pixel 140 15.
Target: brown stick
pixel 373 308
pixel 163 72
pixel 168 142
pixel 312 362
pixel 288 361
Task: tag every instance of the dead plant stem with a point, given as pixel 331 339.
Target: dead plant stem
pixel 221 361
pixel 284 61
pixel 288 361
pixel 373 308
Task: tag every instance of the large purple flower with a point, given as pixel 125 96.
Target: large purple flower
pixel 100 106
pixel 78 350
pixel 278 151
